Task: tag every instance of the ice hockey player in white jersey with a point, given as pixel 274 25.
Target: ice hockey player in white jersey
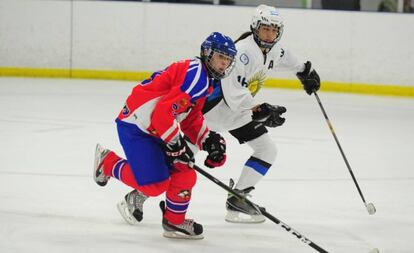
pixel 232 107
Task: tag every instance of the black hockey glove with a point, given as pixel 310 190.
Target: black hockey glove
pixel 309 78
pixel 178 152
pixel 274 119
pixel 269 115
pixel 215 145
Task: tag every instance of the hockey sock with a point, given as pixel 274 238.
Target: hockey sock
pixel 179 195
pixel 253 170
pixel 259 163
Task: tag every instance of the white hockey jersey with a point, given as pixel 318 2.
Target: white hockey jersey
pixel 229 106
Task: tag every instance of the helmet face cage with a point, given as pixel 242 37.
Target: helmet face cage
pixel 214 73
pixel 217 43
pixel 266 15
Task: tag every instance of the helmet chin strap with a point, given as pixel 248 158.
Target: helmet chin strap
pixel 264 46
pixel 265 50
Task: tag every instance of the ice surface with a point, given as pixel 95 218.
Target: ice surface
pixel 48 200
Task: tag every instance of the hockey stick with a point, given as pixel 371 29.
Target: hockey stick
pixel 370 207
pixel 262 210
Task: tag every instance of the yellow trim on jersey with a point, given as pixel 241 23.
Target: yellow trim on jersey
pixel 359 88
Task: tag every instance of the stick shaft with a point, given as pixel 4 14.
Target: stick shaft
pixel 339 146
pixel 262 209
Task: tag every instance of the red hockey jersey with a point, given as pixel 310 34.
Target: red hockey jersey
pixel 169 100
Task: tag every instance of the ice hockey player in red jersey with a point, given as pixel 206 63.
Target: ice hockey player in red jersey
pixel 151 125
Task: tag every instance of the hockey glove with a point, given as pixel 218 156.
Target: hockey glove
pixel 215 145
pixel 269 115
pixel 274 119
pixel 309 78
pixel 178 151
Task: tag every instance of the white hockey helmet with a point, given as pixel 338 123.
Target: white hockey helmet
pixel 266 15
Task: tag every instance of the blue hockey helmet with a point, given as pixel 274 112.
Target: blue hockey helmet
pixel 221 44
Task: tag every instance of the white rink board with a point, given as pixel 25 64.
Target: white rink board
pixel 353 47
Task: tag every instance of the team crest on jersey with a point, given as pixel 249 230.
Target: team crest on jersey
pixel 183 102
pixel 184 194
pixel 175 106
pixel 244 59
pixel 255 83
pixel 125 110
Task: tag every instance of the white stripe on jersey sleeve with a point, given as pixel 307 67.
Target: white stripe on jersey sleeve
pixel 202 91
pixel 170 131
pixel 195 80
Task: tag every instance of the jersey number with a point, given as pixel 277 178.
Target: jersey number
pixel 242 81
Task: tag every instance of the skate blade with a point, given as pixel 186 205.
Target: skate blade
pixel 179 235
pixel 96 164
pixel 124 211
pixel 238 217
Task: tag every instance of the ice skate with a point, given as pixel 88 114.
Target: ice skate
pixel 189 229
pixel 238 211
pixel 98 172
pixel 131 207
